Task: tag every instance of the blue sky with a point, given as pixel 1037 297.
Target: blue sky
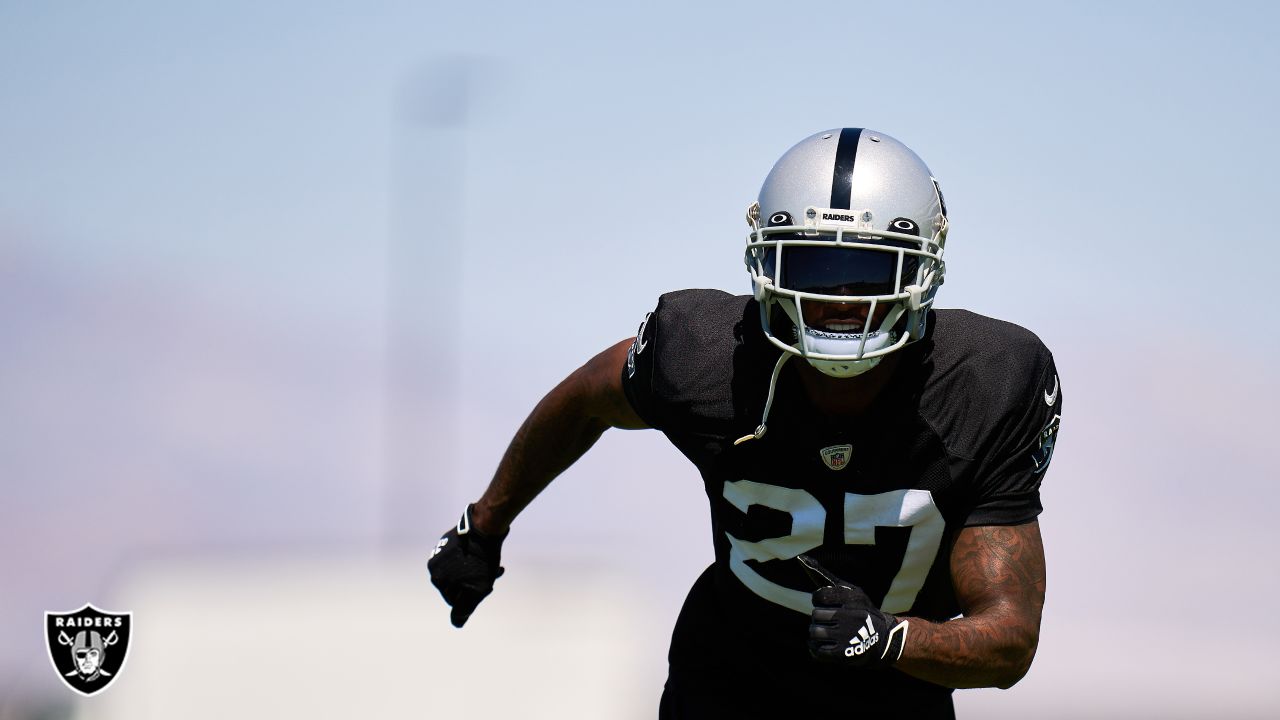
pixel 1110 140
pixel 199 205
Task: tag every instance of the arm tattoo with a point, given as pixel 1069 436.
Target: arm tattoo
pixel 990 562
pixel 999 578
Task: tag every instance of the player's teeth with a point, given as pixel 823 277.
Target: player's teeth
pixel 842 327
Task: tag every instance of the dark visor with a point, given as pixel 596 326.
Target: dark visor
pixel 841 270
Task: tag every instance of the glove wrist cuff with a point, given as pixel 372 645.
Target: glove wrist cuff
pixel 466 527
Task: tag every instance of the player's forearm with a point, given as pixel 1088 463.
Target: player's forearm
pixel 558 432
pixel 999 578
pixel 993 649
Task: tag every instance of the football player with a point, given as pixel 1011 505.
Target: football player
pixel 873 465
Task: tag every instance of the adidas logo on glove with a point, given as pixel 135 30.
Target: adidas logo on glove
pixel 866 637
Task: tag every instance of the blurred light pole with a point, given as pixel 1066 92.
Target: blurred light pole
pixel 424 267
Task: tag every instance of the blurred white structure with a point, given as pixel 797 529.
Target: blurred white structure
pixel 362 637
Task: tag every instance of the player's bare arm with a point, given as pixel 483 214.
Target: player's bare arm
pixel 564 425
pixel 999 578
pixel 561 428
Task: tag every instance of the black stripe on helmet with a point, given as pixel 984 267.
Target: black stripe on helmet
pixel 842 182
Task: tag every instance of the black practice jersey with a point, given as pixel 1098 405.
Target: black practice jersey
pixel 961 436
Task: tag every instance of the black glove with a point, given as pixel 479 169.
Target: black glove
pixel 846 627
pixel 464 565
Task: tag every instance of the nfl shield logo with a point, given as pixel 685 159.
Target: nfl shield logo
pixel 88 646
pixel 836 457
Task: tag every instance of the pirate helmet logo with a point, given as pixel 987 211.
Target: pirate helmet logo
pixel 88 646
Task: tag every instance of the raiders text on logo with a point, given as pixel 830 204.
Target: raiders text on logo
pixel 88 646
pixel 856 219
pixel 839 217
pixel 836 457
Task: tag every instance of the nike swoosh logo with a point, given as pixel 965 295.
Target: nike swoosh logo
pixel 1052 397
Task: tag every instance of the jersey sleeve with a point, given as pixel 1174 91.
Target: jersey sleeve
pixel 680 369
pixel 1008 482
pixel 640 369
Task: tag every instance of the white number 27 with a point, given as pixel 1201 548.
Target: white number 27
pixel 862 515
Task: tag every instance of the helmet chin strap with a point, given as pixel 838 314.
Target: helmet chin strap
pixel 838 369
pixel 833 368
pixel 845 368
pixel 768 401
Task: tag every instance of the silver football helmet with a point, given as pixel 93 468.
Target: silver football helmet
pixel 845 250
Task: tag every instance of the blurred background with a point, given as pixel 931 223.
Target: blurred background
pixel 279 281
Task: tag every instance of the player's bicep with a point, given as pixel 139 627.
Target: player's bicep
pixel 1000 569
pixel 602 382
